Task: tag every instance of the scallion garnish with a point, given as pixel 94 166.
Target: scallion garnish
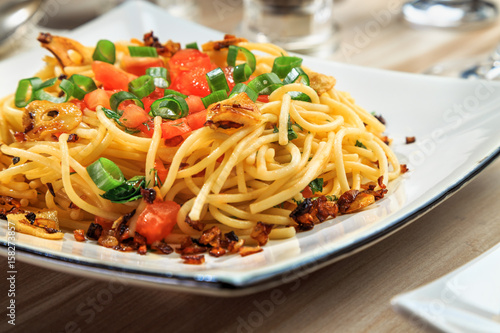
pixel 67 88
pixel 118 98
pixel 174 92
pixel 105 51
pixel 142 86
pixel 283 65
pixel 170 107
pixel 241 87
pixel 105 174
pixel 214 97
pixel 295 74
pixel 21 96
pixel 265 84
pixel 192 45
pixel 142 51
pixel 217 80
pixel 232 54
pixel 82 85
pixel 160 75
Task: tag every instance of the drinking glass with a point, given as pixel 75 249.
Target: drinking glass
pixel 298 25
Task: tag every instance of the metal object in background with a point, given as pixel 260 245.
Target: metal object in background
pixel 450 13
pixel 14 17
pixel 488 69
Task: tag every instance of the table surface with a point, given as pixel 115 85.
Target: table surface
pixel 352 295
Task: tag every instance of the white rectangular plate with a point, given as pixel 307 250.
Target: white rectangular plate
pixel 455 122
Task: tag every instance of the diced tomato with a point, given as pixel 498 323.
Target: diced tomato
pixel 175 128
pixel 197 120
pixel 195 104
pixel 307 192
pixel 105 223
pixel 81 104
pixel 157 220
pixel 111 77
pixel 96 98
pixel 133 116
pixel 147 128
pixel 263 98
pixel 186 60
pixel 138 65
pixel 193 82
pixel 160 170
pixel 148 100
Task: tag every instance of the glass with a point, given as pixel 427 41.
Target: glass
pixel 297 25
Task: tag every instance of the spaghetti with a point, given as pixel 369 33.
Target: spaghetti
pixel 251 170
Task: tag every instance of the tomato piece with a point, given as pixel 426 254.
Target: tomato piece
pixel 307 192
pixel 197 120
pixel 175 128
pixel 263 98
pixel 161 172
pixel 138 65
pixel 148 100
pixel 111 77
pixel 96 98
pixel 157 220
pixel 147 128
pixel 186 60
pixel 195 104
pixel 133 116
pixel 105 223
pixel 81 104
pixel 193 82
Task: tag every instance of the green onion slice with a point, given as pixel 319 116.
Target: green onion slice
pixel 105 174
pixel 169 92
pixel 66 86
pixel 283 65
pixel 214 97
pixel 170 107
pixel 160 75
pixel 299 96
pixel 118 98
pixel 21 97
pixel 265 84
pixel 242 73
pixel 142 86
pixel 217 80
pixel 192 45
pixel 82 85
pixel 142 51
pixel 105 51
pixel 241 87
pixel 295 74
pixel 232 54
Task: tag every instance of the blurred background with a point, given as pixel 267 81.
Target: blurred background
pixel 448 37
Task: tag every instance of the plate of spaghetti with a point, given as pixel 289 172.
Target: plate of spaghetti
pixel 183 158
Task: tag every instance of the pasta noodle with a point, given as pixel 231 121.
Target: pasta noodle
pixel 232 178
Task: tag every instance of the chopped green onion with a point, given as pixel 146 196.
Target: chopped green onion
pixel 105 174
pixel 232 54
pixel 21 97
pixel 242 73
pixel 169 92
pixel 160 75
pixel 299 96
pixel 241 87
pixel 129 190
pixel 217 80
pixel 142 51
pixel 171 107
pixel 66 86
pixel 214 97
pixel 142 86
pixel 265 84
pixel 82 85
pixel 192 45
pixel 118 98
pixel 295 74
pixel 105 51
pixel 283 65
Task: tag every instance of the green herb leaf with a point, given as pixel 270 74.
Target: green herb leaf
pixel 360 144
pixel 130 190
pixel 316 185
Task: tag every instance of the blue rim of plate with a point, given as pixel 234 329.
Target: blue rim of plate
pixel 176 282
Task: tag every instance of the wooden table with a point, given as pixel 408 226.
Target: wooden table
pixel 352 295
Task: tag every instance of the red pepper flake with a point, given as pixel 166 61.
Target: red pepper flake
pixel 410 139
pixel 193 259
